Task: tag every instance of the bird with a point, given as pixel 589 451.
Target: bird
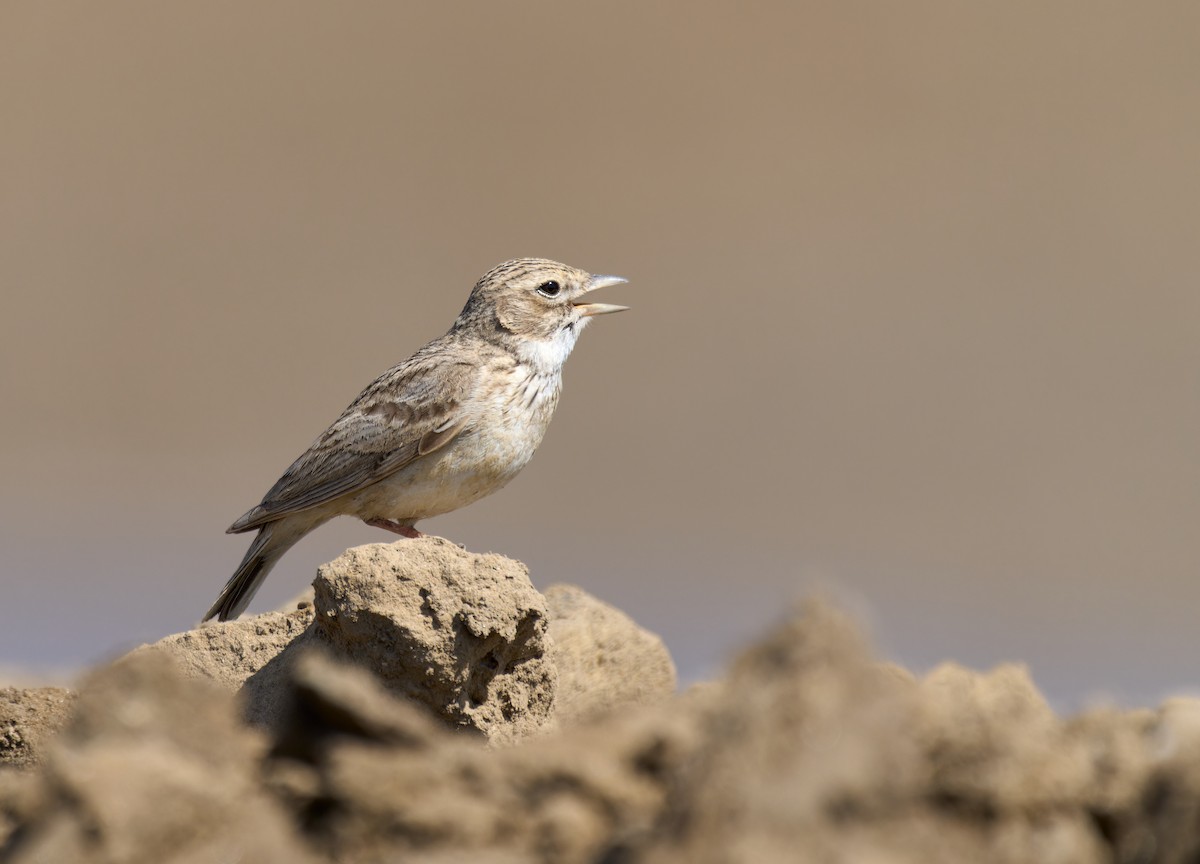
pixel 454 422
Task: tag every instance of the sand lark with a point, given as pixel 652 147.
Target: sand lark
pixel 452 423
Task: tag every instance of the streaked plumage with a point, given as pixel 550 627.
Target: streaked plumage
pixel 449 425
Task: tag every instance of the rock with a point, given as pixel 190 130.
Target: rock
pixel 604 659
pixel 153 766
pixel 1119 748
pixel 808 749
pixel 229 653
pixel 804 729
pixel 814 751
pixel 330 698
pixel 250 656
pixel 1161 816
pixel 993 742
pixel 461 633
pixel 466 635
pixel 381 782
pixel 29 717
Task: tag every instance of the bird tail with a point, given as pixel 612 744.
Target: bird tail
pixel 268 547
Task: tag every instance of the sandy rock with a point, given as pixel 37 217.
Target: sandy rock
pixel 465 634
pixel 579 797
pixel 807 750
pixel 229 653
pixel 250 656
pixel 29 718
pixel 462 633
pixel 1162 817
pixel 371 773
pixel 993 742
pixel 802 732
pixel 329 698
pixel 353 756
pixel 18 800
pixel 1119 747
pixel 815 752
pixel 153 766
pixel 604 659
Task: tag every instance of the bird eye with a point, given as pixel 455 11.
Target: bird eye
pixel 549 289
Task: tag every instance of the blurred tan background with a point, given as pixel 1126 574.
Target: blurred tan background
pixel 914 286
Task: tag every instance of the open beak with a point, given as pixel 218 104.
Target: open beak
pixel 587 309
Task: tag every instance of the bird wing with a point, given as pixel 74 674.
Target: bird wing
pixel 408 412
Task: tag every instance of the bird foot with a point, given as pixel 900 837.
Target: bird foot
pixel 395 527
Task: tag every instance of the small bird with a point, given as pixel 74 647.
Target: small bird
pixel 454 422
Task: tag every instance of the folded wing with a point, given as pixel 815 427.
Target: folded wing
pixel 407 413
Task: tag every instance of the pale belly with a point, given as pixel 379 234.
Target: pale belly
pixel 477 463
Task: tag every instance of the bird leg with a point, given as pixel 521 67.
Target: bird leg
pixel 395 527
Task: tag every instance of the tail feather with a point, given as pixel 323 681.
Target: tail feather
pixel 267 548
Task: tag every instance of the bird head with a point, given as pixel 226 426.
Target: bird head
pixel 535 303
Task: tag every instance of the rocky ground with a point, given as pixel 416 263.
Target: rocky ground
pixel 429 705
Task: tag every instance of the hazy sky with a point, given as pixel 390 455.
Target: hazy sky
pixel 914 286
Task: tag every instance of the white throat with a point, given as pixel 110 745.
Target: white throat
pixel 547 356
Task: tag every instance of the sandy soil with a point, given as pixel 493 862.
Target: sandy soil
pixel 430 705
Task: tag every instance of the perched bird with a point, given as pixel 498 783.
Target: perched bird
pixel 449 425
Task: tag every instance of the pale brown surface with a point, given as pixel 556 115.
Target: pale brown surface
pixel 232 651
pixel 806 750
pixel 29 718
pixel 464 635
pixel 153 766
pixel 605 661
pixel 913 286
